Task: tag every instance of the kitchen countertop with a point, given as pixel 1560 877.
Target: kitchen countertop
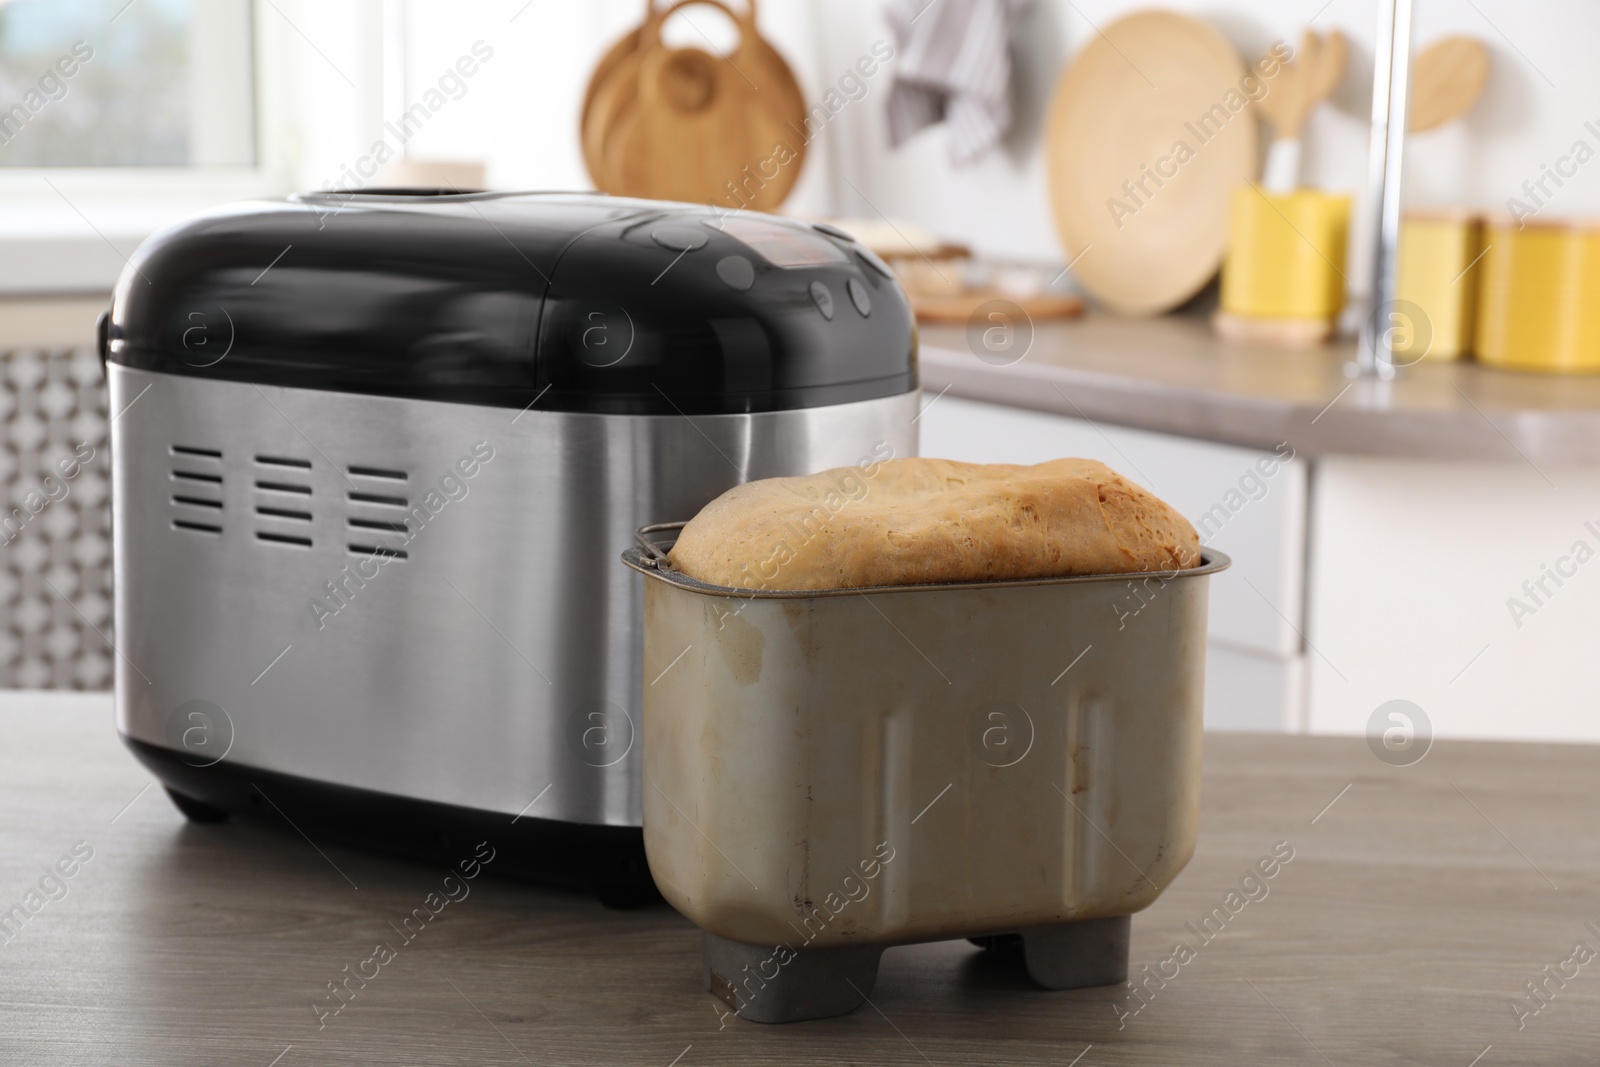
pixel 1417 903
pixel 1174 375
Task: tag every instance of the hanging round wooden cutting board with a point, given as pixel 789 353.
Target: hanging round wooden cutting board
pixel 696 133
pixel 616 56
pixel 1147 103
pixel 694 124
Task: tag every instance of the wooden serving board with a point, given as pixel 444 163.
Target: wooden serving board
pixel 1135 93
pixel 681 124
pixel 956 309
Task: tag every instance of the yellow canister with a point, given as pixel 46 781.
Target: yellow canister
pixel 1438 271
pixel 1539 296
pixel 1286 254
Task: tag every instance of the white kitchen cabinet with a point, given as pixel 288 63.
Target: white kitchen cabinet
pixel 1254 690
pixel 1255 675
pixel 1414 567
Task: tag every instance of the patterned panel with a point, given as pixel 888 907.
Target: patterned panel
pixel 55 521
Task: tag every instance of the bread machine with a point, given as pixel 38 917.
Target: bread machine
pixel 376 454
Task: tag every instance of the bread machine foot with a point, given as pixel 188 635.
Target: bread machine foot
pixel 767 984
pixel 194 809
pixel 1077 955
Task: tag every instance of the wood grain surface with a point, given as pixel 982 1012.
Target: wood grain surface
pixel 1140 170
pixel 1414 909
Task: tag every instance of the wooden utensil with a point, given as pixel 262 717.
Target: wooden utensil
pixel 1446 80
pixel 1292 94
pixel 681 124
pixel 1144 228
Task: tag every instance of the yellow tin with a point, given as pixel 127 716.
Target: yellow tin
pixel 1438 271
pixel 1539 296
pixel 1286 254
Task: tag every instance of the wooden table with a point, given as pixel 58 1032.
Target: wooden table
pixel 1418 903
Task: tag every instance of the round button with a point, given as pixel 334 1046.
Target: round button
pixel 859 297
pixel 824 299
pixel 679 238
pixel 736 272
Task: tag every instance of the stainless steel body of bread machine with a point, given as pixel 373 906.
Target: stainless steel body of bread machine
pixel 376 454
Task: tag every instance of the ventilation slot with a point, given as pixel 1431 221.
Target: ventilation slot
pixel 378 472
pixel 377 550
pixel 284 513
pixel 196 498
pixel 377 498
pixel 282 521
pixel 284 487
pixel 283 539
pixel 373 524
pixel 282 461
pixel 371 518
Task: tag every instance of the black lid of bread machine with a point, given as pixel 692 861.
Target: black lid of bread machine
pixel 581 301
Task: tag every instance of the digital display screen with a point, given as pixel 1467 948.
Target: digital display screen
pixel 779 244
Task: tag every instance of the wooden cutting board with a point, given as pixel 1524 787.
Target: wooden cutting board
pixel 957 309
pixel 1138 90
pixel 681 124
pixel 616 56
pixel 615 64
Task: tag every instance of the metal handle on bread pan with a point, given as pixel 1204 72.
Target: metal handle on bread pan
pixel 653 556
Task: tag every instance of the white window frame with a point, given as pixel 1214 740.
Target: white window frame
pixel 71 229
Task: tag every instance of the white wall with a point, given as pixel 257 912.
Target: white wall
pixel 320 77
pixel 1000 205
pixel 521 111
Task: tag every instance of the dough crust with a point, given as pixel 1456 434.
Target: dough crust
pixel 923 521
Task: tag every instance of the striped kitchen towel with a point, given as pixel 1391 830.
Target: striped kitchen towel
pixel 953 66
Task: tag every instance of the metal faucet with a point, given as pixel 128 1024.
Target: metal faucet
pixel 1391 80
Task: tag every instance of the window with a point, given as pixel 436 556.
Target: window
pixel 126 83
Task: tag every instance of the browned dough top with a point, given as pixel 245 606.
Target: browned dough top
pixel 921 521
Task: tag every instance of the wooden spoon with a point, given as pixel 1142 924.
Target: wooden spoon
pixel 1447 80
pixel 1292 94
